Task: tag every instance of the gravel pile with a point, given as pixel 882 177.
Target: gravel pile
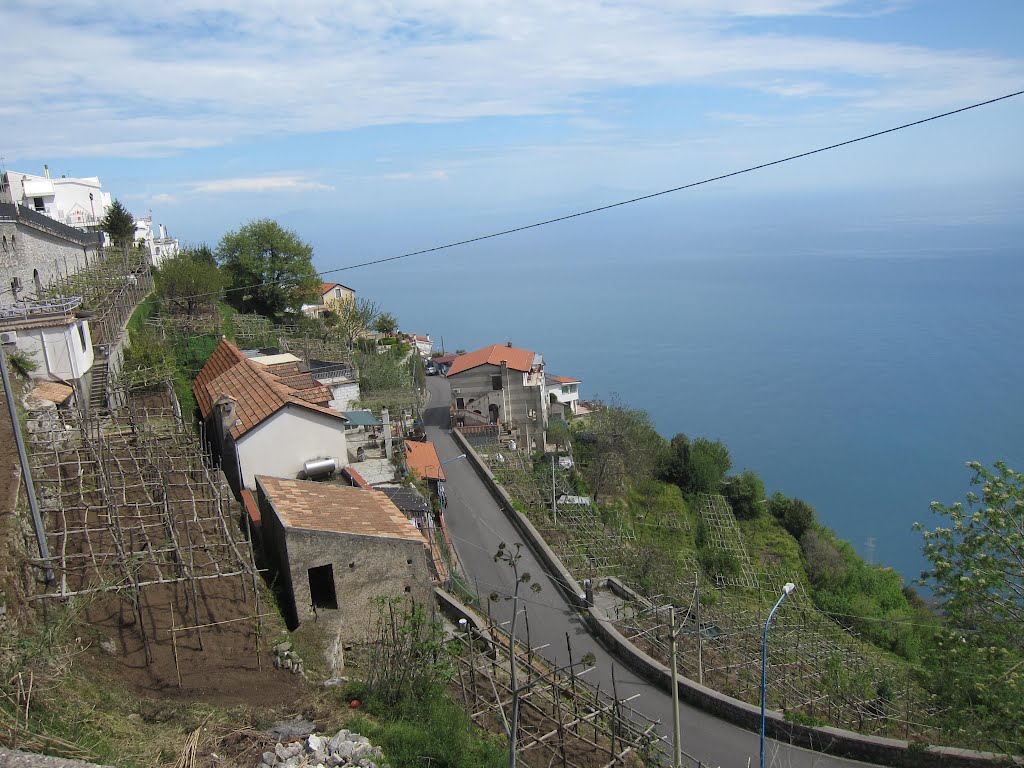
pixel 342 749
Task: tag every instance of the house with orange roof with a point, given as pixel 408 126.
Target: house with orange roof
pixel 335 549
pixel 331 296
pixel 563 394
pixel 265 418
pixel 501 385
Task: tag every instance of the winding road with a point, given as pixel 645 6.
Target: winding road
pixel 477 526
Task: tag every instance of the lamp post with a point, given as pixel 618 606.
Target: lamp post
pixel 786 591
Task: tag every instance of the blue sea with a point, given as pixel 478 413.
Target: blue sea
pixel 854 361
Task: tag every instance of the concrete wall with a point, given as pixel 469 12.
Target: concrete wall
pixel 284 442
pixel 835 741
pixel 343 395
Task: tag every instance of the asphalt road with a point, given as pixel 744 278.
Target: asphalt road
pixel 477 526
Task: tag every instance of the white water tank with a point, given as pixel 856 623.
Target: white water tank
pixel 319 467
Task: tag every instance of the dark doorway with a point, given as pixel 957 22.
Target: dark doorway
pixel 321 587
pixel 493 413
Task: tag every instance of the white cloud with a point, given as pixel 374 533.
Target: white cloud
pixel 259 184
pixel 183 74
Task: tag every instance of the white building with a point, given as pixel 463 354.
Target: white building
pixel 263 421
pixel 79 203
pixel 56 341
pixel 563 395
pixel 157 242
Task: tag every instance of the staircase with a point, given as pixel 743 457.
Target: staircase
pixel 98 385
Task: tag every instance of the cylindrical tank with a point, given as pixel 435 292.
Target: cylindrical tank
pixel 320 467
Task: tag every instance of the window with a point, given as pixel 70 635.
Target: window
pixel 496 382
pixel 321 587
pixel 337 293
pixel 38 204
pixel 460 403
pixel 81 335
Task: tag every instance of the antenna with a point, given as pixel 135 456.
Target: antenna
pixel 870 543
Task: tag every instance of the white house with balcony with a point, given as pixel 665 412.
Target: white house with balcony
pixel 77 202
pixel 563 396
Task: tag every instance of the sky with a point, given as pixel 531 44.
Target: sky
pixel 375 128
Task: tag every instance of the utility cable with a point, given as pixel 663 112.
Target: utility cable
pixel 630 201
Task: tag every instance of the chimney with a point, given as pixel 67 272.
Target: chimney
pixel 508 344
pixel 46 170
pixel 225 405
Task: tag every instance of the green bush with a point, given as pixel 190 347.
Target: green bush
pixel 718 562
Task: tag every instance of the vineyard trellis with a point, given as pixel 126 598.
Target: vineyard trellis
pixel 816 668
pixel 141 529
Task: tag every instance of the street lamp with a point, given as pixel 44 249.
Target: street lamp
pixel 786 591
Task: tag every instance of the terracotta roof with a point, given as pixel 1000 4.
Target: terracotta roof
pixel 517 359
pixel 257 393
pixel 327 287
pixel 422 459
pixel 444 359
pixel 562 379
pixel 224 357
pixel 337 509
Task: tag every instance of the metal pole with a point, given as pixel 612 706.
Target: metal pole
pixel 700 630
pixel 26 472
pixel 677 753
pixel 554 504
pixel 764 660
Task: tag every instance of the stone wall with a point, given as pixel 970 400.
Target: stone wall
pixel 34 248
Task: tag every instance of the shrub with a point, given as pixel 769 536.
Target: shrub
pixel 745 493
pixel 718 562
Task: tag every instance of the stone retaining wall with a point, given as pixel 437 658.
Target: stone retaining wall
pixel 834 741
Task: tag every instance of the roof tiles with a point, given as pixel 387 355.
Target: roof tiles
pixel 517 359
pixel 337 509
pixel 422 459
pixel 257 392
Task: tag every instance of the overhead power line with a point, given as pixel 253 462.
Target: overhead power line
pixel 641 198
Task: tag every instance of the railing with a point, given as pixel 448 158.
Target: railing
pixel 25 309
pixel 342 371
pixel 15 212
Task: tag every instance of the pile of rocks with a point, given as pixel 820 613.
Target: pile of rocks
pixel 342 749
pixel 286 658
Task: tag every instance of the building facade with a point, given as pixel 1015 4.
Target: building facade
pixel 501 385
pixel 335 550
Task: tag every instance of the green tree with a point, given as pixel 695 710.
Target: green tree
pixel 796 515
pixel 119 223
pixel 269 268
pixel 386 323
pixel 696 466
pixel 745 493
pixel 977 575
pixel 618 444
pixel 187 284
pixel 202 253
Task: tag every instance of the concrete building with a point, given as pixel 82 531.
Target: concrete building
pixel 501 385
pixel 56 340
pixel 335 549
pixel 332 296
pixel 266 419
